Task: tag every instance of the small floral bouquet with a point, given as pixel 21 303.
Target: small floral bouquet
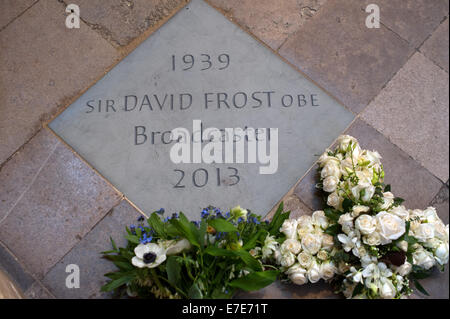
pixel 211 258
pixel 364 241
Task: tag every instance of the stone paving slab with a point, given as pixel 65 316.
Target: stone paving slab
pixel 11 9
pixel 61 203
pixel 42 66
pixel 120 21
pixel 436 48
pixel 37 291
pixel 413 112
pixel 15 271
pixel 413 20
pixel 408 179
pixel 86 254
pixel 17 174
pixel 270 21
pixel 351 61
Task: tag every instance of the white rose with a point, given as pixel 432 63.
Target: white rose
pixel 346 221
pixel 430 215
pixel 441 254
pixel 292 245
pixel 373 157
pixel 287 259
pixel 366 224
pixel 327 270
pixel 358 209
pixel 391 227
pixel 322 255
pixel 416 213
pixel 388 200
pixel 297 275
pixel 423 258
pixel 314 273
pixel 404 269
pixel 324 159
pixel 289 228
pixel 334 200
pixel 403 245
pixel 327 242
pixel 424 232
pixel 304 221
pixel 312 243
pixel 305 259
pixel 319 219
pixel 440 231
pixel 366 189
pixel 400 211
pixel 373 239
pixel 179 247
pixel 331 169
pixel 387 290
pixel 330 184
pixel 345 140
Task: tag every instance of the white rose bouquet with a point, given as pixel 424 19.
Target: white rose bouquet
pixel 365 241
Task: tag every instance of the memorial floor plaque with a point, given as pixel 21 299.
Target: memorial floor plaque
pixel 201 71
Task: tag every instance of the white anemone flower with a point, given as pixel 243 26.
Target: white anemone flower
pixel 148 255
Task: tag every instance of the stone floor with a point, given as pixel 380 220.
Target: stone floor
pixel 55 210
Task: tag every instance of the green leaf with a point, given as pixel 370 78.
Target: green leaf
pixel 157 225
pixel 124 265
pixel 255 280
pixel 242 254
pixel 221 225
pixel 420 287
pixel 202 232
pixel 195 292
pixel 398 201
pixel 251 243
pixel 173 269
pixel 278 219
pixel 132 238
pixel 347 204
pixel 332 214
pixel 187 229
pixel 387 188
pixel 333 230
pixel 358 289
pixel 113 244
pixel 117 282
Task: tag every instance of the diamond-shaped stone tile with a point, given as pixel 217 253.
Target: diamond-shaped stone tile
pixel 199 66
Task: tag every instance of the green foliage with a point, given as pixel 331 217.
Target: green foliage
pixel 255 280
pixel 217 265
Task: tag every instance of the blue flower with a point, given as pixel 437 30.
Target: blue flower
pixel 196 223
pixel 167 219
pixel 145 239
pixel 140 219
pixel 205 213
pixel 228 215
pixel 160 211
pixel 175 215
pixel 240 220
